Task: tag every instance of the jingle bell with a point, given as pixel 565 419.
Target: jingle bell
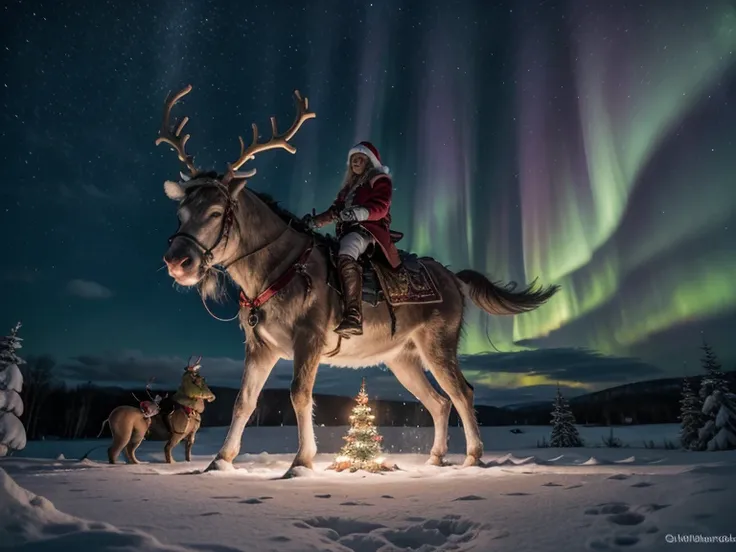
pixel 254 318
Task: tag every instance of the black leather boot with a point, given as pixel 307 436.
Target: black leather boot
pixel 351 279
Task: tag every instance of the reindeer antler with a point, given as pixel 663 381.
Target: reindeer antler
pixel 148 387
pixel 173 136
pixel 277 140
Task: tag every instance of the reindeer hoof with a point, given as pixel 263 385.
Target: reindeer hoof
pixel 471 461
pixel 219 464
pixel 298 471
pixel 435 460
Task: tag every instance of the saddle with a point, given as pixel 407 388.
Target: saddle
pixel 408 284
pixel 169 406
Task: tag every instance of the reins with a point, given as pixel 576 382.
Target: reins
pixel 227 224
pixel 231 263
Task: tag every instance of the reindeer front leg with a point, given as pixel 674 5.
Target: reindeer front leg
pixel 307 352
pixel 259 361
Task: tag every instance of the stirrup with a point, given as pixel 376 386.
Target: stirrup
pixel 349 327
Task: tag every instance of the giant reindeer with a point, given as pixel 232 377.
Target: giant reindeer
pixel 289 299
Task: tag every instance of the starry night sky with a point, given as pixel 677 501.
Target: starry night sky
pixel 588 144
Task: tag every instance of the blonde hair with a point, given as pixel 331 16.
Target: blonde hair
pixel 352 178
pixel 349 177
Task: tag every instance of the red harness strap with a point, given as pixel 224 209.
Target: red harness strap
pixel 280 283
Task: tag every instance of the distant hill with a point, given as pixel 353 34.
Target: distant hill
pixel 642 402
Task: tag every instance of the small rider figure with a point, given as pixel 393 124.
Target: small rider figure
pixel 151 408
pixel 362 211
pixel 193 389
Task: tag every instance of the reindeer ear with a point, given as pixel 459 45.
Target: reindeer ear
pixel 174 190
pixel 235 186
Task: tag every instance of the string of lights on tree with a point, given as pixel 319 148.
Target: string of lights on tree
pixel 362 449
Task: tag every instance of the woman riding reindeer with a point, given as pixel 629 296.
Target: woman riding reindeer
pixel 362 212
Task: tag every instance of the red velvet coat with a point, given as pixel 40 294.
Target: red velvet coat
pixel 374 195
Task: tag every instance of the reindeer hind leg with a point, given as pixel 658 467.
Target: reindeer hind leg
pixel 119 440
pixel 408 369
pixel 438 349
pixel 134 443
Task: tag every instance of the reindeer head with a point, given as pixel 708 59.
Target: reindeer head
pixel 207 201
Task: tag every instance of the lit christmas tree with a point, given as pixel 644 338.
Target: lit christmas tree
pixel 362 449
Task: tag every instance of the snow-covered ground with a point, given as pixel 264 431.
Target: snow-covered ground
pixel 525 498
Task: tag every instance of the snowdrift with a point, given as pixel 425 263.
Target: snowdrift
pixel 30 522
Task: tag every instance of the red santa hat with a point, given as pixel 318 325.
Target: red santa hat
pixel 370 151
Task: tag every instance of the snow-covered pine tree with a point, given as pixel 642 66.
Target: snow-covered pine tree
pixel 12 432
pixel 714 379
pixel 718 404
pixel 362 450
pixel 719 432
pixel 564 432
pixel 691 416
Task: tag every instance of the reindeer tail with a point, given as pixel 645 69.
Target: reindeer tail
pixel 107 421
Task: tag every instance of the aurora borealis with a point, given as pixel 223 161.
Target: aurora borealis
pixel 585 144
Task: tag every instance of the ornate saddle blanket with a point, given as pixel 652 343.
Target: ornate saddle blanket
pixel 410 284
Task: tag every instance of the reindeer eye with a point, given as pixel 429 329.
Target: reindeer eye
pixel 216 214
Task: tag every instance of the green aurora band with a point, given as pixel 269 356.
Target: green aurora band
pixel 630 93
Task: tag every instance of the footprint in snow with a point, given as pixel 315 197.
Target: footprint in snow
pixel 469 497
pixel 630 521
pixel 341 526
pixel 515 494
pixel 251 501
pixel 550 484
pixel 627 518
pixel 619 477
pixel 642 484
pixel 710 490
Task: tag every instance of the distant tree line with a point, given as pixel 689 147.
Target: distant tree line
pixel 54 409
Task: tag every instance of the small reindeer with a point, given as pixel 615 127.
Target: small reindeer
pixel 129 425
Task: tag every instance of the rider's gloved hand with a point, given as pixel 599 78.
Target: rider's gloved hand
pixel 348 215
pixel 309 221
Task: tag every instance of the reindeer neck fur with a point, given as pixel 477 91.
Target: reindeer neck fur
pixel 276 245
